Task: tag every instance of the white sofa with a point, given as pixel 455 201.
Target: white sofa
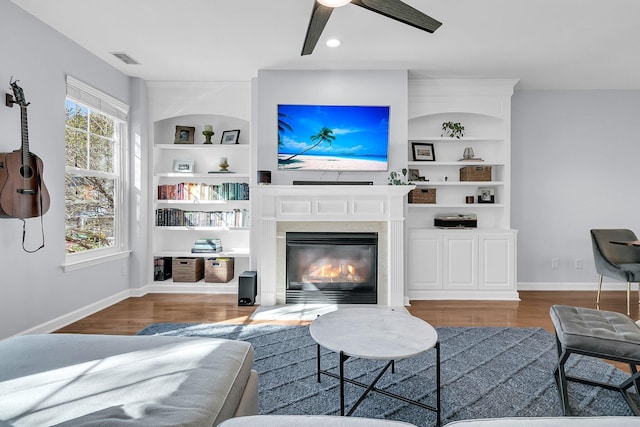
pixel 91 380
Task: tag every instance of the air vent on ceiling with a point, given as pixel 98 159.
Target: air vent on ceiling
pixel 124 57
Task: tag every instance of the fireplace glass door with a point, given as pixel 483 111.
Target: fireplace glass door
pixel 331 268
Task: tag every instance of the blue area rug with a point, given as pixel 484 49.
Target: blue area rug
pixel 486 372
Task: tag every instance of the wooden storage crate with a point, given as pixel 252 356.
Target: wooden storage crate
pixel 422 195
pixel 475 173
pixel 187 269
pixel 218 270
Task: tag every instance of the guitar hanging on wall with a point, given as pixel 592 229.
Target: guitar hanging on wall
pixel 22 190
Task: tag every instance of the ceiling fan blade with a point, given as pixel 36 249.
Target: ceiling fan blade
pixel 400 11
pixel 319 17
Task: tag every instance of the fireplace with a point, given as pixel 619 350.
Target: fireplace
pixel 331 267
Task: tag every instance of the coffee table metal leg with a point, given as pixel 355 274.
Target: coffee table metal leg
pixel 318 360
pixel 342 360
pixel 438 383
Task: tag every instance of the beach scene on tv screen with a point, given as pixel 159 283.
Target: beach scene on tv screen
pixel 333 137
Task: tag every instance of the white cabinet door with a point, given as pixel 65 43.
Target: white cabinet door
pixel 460 260
pixel 497 261
pixel 424 260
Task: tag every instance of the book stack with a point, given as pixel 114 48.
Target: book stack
pixel 205 246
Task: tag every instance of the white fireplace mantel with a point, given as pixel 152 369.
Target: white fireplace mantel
pixel 339 203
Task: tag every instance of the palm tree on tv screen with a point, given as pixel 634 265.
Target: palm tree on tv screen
pixel 325 134
pixel 283 126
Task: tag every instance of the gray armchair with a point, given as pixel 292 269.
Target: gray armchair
pixel 616 261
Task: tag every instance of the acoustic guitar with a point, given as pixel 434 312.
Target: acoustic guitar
pixel 22 192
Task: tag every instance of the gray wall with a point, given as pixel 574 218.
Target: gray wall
pixel 575 167
pixel 34 291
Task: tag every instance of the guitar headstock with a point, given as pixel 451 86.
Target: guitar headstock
pixel 18 94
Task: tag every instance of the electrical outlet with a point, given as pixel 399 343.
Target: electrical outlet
pixel 578 263
pixel 555 263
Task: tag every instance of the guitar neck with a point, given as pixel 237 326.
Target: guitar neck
pixel 25 135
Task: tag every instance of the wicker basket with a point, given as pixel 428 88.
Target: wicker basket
pixel 187 269
pixel 218 270
pixel 475 173
pixel 422 195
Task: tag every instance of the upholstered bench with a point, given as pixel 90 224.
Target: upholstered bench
pixel 602 334
pixel 102 380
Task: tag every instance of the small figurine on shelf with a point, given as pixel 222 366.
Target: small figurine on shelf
pixel 223 164
pixel 208 133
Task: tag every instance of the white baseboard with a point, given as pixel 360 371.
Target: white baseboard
pixel 81 313
pixel 573 286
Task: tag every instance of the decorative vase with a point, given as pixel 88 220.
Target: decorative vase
pixel 207 134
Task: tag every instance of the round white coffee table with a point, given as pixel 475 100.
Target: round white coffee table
pixel 375 333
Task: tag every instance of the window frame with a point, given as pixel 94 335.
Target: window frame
pixel 102 103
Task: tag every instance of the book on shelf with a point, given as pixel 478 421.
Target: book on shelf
pixel 172 217
pixel 206 250
pixel 201 191
pixel 212 245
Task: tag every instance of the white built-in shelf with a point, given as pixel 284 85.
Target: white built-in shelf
pixel 454 163
pixel 170 146
pixel 186 228
pixel 454 140
pixel 456 205
pixel 457 183
pixel 234 253
pixel 199 202
pixel 235 176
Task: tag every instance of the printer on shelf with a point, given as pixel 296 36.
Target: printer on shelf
pixel 456 221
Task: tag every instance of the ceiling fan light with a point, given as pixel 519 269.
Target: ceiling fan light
pixel 334 3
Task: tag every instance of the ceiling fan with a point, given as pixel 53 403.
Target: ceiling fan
pixel 394 9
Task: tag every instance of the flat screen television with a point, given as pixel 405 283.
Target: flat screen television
pixel 333 137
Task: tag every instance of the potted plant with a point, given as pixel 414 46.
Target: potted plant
pixel 398 177
pixel 452 130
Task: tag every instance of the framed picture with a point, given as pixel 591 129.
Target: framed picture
pixel 423 151
pixel 184 134
pixel 486 195
pixel 414 175
pixel 185 166
pixel 230 136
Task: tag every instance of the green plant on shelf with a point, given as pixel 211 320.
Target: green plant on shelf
pixel 398 177
pixel 452 130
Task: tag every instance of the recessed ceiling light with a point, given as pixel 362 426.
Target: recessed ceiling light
pixel 334 3
pixel 333 42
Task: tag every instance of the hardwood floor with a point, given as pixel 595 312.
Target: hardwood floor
pixel 133 314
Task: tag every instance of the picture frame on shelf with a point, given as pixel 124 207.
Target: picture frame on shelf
pixel 183 166
pixel 423 151
pixel 184 134
pixel 230 136
pixel 414 175
pixel 486 195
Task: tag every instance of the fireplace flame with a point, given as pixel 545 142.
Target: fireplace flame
pixel 344 273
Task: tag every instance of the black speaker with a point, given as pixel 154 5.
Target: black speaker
pixel 247 287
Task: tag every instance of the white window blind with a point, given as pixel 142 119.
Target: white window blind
pixel 96 99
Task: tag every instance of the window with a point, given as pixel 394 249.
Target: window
pixel 95 173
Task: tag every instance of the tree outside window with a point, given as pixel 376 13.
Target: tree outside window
pixel 92 180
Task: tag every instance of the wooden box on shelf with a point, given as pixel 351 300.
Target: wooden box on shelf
pixel 475 173
pixel 188 269
pixel 422 195
pixel 218 270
